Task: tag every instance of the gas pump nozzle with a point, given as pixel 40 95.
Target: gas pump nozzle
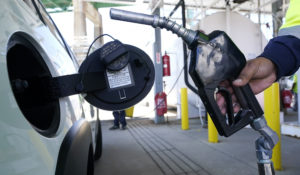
pixel 214 58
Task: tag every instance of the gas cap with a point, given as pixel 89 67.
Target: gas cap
pixel 124 87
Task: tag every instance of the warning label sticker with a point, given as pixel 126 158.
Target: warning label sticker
pixel 118 79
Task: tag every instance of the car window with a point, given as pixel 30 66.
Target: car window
pixel 47 20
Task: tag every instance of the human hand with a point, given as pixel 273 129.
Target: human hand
pixel 260 73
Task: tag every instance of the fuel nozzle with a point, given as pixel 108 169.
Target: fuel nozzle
pixel 189 36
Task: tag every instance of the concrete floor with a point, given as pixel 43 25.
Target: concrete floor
pixel 149 149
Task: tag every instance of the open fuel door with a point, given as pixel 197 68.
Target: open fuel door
pixel 113 77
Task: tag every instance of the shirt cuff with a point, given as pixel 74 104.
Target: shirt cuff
pixel 281 56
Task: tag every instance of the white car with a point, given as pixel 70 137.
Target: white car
pixel 38 136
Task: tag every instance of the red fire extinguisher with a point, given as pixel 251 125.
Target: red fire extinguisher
pixel 287 98
pixel 166 65
pixel 161 103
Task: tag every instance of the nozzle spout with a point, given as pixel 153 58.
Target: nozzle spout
pixel 189 36
pixel 133 17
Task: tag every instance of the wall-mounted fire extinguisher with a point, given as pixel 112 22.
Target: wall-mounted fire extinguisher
pixel 286 98
pixel 166 65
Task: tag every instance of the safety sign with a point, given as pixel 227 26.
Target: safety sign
pixel 122 78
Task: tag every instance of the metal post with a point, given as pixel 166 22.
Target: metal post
pixel 158 66
pixel 228 21
pixel 277 19
pixel 79 18
pixel 184 110
pixel 212 131
pixel 92 14
pixel 272 108
pixel 80 33
pixel 259 25
pixel 185 55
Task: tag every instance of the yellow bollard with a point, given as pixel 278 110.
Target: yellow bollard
pixel 129 111
pixel 212 131
pixel 184 109
pixel 272 108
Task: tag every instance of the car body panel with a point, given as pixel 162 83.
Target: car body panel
pixel 23 150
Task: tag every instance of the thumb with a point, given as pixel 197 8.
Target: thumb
pixel 247 73
pixel 241 81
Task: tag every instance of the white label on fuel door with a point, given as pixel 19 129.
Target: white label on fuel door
pixel 122 78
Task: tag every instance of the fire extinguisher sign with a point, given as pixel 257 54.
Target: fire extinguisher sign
pixel 158 58
pixel 161 103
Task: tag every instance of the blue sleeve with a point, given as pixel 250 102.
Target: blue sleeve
pixel 284 52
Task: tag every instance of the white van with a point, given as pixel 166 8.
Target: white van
pixel 41 136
